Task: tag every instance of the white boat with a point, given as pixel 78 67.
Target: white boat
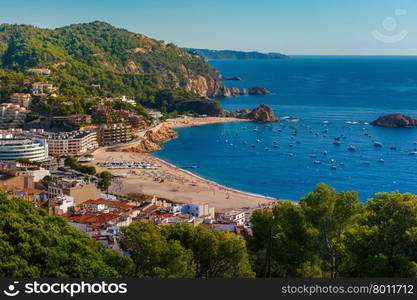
pixel 381 160
pixel 317 162
pixel 336 143
pixel 291 154
pixel 352 148
pixel 413 153
pixel 377 144
pixel 333 167
pixel 313 155
pixel 325 152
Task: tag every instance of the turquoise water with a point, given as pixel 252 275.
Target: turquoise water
pixel 324 93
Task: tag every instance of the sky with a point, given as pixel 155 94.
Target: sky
pixel 294 27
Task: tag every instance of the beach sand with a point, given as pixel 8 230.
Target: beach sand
pixel 173 183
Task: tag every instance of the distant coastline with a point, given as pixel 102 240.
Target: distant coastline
pixel 234 55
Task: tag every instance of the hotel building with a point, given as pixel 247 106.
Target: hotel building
pixel 32 149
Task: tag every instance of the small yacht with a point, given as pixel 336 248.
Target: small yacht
pixel 276 146
pixel 317 162
pixel 336 143
pixel 352 148
pixel 342 164
pixel 291 145
pixel 266 149
pixel 313 155
pixel 381 160
pixel 393 148
pixel 377 144
pixel 333 167
pixel 366 162
pixel 253 146
pixel 291 154
pixel 325 152
pixel 413 153
pixel 336 138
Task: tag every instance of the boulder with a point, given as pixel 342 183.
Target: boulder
pixel 235 91
pixel 396 120
pixel 260 91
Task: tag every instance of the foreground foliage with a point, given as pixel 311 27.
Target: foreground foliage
pixel 182 250
pixel 331 234
pixel 33 244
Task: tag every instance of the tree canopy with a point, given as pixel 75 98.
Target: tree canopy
pixel 33 244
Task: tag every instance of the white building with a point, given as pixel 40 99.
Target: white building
pixel 154 113
pixel 126 100
pixel 39 174
pixel 34 149
pixel 234 216
pixel 41 88
pixel 198 209
pixel 62 203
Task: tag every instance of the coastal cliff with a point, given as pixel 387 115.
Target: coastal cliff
pixel 144 146
pixel 396 120
pixel 151 139
pixel 161 134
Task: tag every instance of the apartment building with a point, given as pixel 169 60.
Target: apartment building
pixel 21 99
pixel 110 134
pixel 72 143
pixel 80 191
pixel 12 115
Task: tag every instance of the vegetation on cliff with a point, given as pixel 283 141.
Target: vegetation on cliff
pixel 97 59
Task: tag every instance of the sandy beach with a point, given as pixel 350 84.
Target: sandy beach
pixel 198 121
pixel 170 182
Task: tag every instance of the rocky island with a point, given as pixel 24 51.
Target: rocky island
pixel 395 120
pixel 262 114
pixel 259 91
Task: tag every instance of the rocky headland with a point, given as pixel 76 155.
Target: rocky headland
pixel 396 120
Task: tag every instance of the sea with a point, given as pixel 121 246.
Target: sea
pixel 325 104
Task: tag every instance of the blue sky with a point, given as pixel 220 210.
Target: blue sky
pixel 288 26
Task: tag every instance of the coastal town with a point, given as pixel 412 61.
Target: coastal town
pixel 139 186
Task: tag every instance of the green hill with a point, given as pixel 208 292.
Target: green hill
pixel 121 62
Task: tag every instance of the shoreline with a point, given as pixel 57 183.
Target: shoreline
pixel 214 182
pixel 176 184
